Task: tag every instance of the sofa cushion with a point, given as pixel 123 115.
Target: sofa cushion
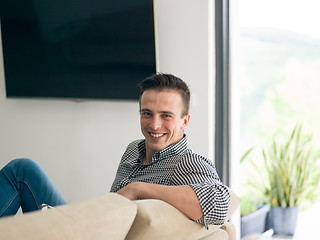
pixel 106 217
pixel 158 220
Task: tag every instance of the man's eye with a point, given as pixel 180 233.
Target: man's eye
pixel 146 114
pixel 167 116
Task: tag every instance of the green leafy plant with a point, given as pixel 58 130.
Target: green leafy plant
pixel 249 205
pixel 290 174
pixel 249 202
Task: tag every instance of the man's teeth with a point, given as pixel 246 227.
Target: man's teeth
pixel 156 135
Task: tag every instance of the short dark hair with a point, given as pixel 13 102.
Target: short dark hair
pixel 162 81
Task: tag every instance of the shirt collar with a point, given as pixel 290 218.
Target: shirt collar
pixel 170 151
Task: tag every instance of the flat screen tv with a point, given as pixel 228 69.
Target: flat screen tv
pixel 77 48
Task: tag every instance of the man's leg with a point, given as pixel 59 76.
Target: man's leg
pixel 23 183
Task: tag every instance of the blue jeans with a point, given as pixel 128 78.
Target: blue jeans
pixel 23 183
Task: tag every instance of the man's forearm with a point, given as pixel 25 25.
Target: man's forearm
pixel 181 197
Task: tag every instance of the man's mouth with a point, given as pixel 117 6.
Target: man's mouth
pixel 156 135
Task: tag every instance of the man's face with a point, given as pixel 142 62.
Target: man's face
pixel 160 118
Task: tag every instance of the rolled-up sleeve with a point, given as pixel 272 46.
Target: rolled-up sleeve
pixel 200 174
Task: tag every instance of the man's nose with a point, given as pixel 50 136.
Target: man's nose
pixel 156 122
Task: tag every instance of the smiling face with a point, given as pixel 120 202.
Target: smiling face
pixel 161 119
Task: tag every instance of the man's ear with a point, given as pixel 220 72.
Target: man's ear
pixel 186 120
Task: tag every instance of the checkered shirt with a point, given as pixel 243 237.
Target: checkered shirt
pixel 177 165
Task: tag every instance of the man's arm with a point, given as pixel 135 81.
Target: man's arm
pixel 181 197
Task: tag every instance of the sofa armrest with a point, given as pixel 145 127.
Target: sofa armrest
pixel 226 232
pixel 230 229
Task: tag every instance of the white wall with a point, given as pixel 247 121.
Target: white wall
pixel 79 144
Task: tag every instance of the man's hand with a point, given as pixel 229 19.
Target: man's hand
pixel 181 197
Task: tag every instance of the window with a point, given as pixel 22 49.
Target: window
pixel 278 68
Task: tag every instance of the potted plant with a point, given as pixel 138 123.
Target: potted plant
pixel 290 173
pixel 253 216
pixel 253 209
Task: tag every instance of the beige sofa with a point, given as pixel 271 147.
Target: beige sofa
pixel 113 217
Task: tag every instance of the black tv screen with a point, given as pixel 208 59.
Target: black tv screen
pixel 77 48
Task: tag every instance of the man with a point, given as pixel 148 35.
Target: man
pixel 162 166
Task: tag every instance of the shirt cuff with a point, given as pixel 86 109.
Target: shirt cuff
pixel 214 201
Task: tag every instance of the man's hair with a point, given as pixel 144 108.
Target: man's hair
pixel 161 82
